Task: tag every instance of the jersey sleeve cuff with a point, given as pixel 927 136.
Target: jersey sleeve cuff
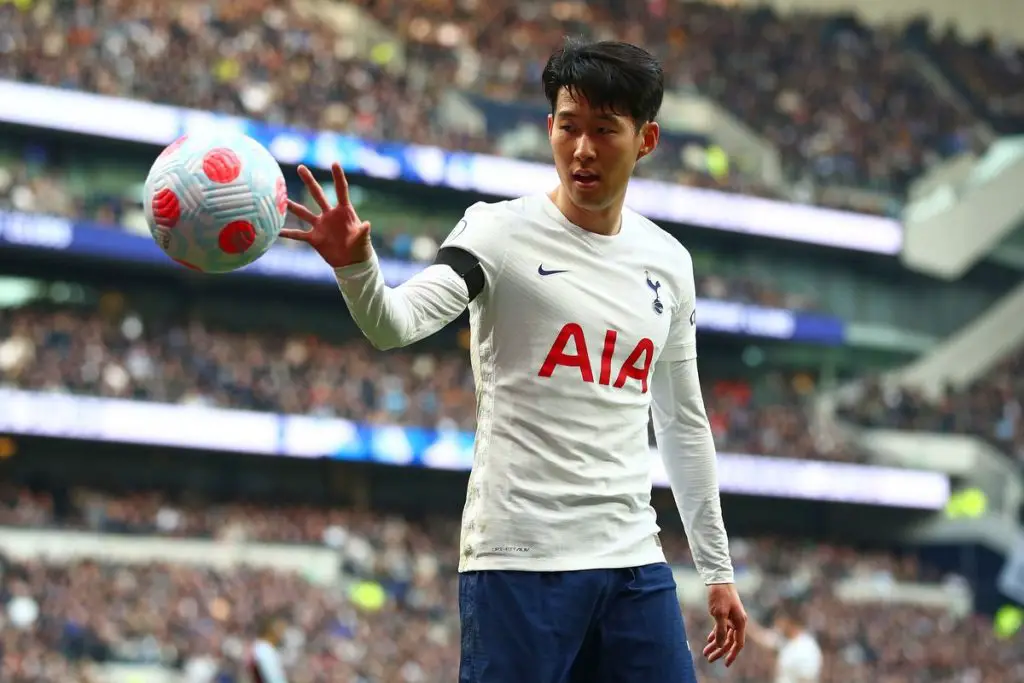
pixel 357 270
pixel 723 577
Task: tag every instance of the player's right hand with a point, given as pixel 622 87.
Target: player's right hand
pixel 337 234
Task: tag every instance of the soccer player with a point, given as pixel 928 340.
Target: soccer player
pixel 799 658
pixel 582 316
pixel 262 660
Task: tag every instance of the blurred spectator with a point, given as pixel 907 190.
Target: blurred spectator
pixel 989 408
pixel 989 72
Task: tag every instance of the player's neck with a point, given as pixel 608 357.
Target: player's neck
pixel 605 222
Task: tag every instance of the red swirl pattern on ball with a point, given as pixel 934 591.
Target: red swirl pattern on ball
pixel 281 196
pixel 166 208
pixel 173 146
pixel 236 237
pixel 221 165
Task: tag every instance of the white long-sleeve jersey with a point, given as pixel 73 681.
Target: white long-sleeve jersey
pixel 573 337
pixel 264 664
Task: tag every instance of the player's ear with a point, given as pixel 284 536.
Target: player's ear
pixel 650 133
pixel 551 125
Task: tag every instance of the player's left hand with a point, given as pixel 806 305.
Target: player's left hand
pixel 729 635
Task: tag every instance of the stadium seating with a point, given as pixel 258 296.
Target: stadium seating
pixel 189 362
pixel 989 408
pixel 197 618
pixel 840 101
pixel 987 74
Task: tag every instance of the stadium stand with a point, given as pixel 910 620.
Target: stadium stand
pixel 840 101
pixel 987 72
pixel 195 618
pixel 758 65
pixel 989 408
pixel 128 355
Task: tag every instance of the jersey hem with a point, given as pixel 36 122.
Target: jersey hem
pixel 516 564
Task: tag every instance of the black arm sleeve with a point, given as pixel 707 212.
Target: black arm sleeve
pixel 465 266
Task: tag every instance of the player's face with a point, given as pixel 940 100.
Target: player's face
pixel 595 151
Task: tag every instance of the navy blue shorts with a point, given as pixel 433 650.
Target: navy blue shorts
pixel 592 626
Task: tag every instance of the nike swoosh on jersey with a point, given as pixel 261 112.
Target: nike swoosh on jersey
pixel 545 273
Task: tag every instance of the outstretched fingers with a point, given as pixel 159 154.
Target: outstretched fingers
pixel 340 183
pixel 297 234
pixel 314 188
pixel 301 212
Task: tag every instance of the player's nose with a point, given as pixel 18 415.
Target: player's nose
pixel 584 148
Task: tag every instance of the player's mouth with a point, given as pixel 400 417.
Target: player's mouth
pixel 585 179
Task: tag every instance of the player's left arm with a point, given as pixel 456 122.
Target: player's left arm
pixel 685 441
pixel 687 448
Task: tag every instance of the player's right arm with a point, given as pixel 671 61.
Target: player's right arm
pixel 393 317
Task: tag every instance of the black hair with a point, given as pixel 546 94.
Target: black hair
pixel 791 610
pixel 617 77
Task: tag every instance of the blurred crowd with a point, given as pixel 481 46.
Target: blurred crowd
pixel 198 620
pixel 987 71
pixel 990 408
pixel 124 355
pixel 843 103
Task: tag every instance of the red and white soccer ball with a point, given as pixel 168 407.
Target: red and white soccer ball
pixel 215 204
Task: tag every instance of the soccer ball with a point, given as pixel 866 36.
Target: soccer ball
pixel 215 204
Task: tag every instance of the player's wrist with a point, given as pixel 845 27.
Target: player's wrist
pixel 350 259
pixel 359 254
pixel 351 267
